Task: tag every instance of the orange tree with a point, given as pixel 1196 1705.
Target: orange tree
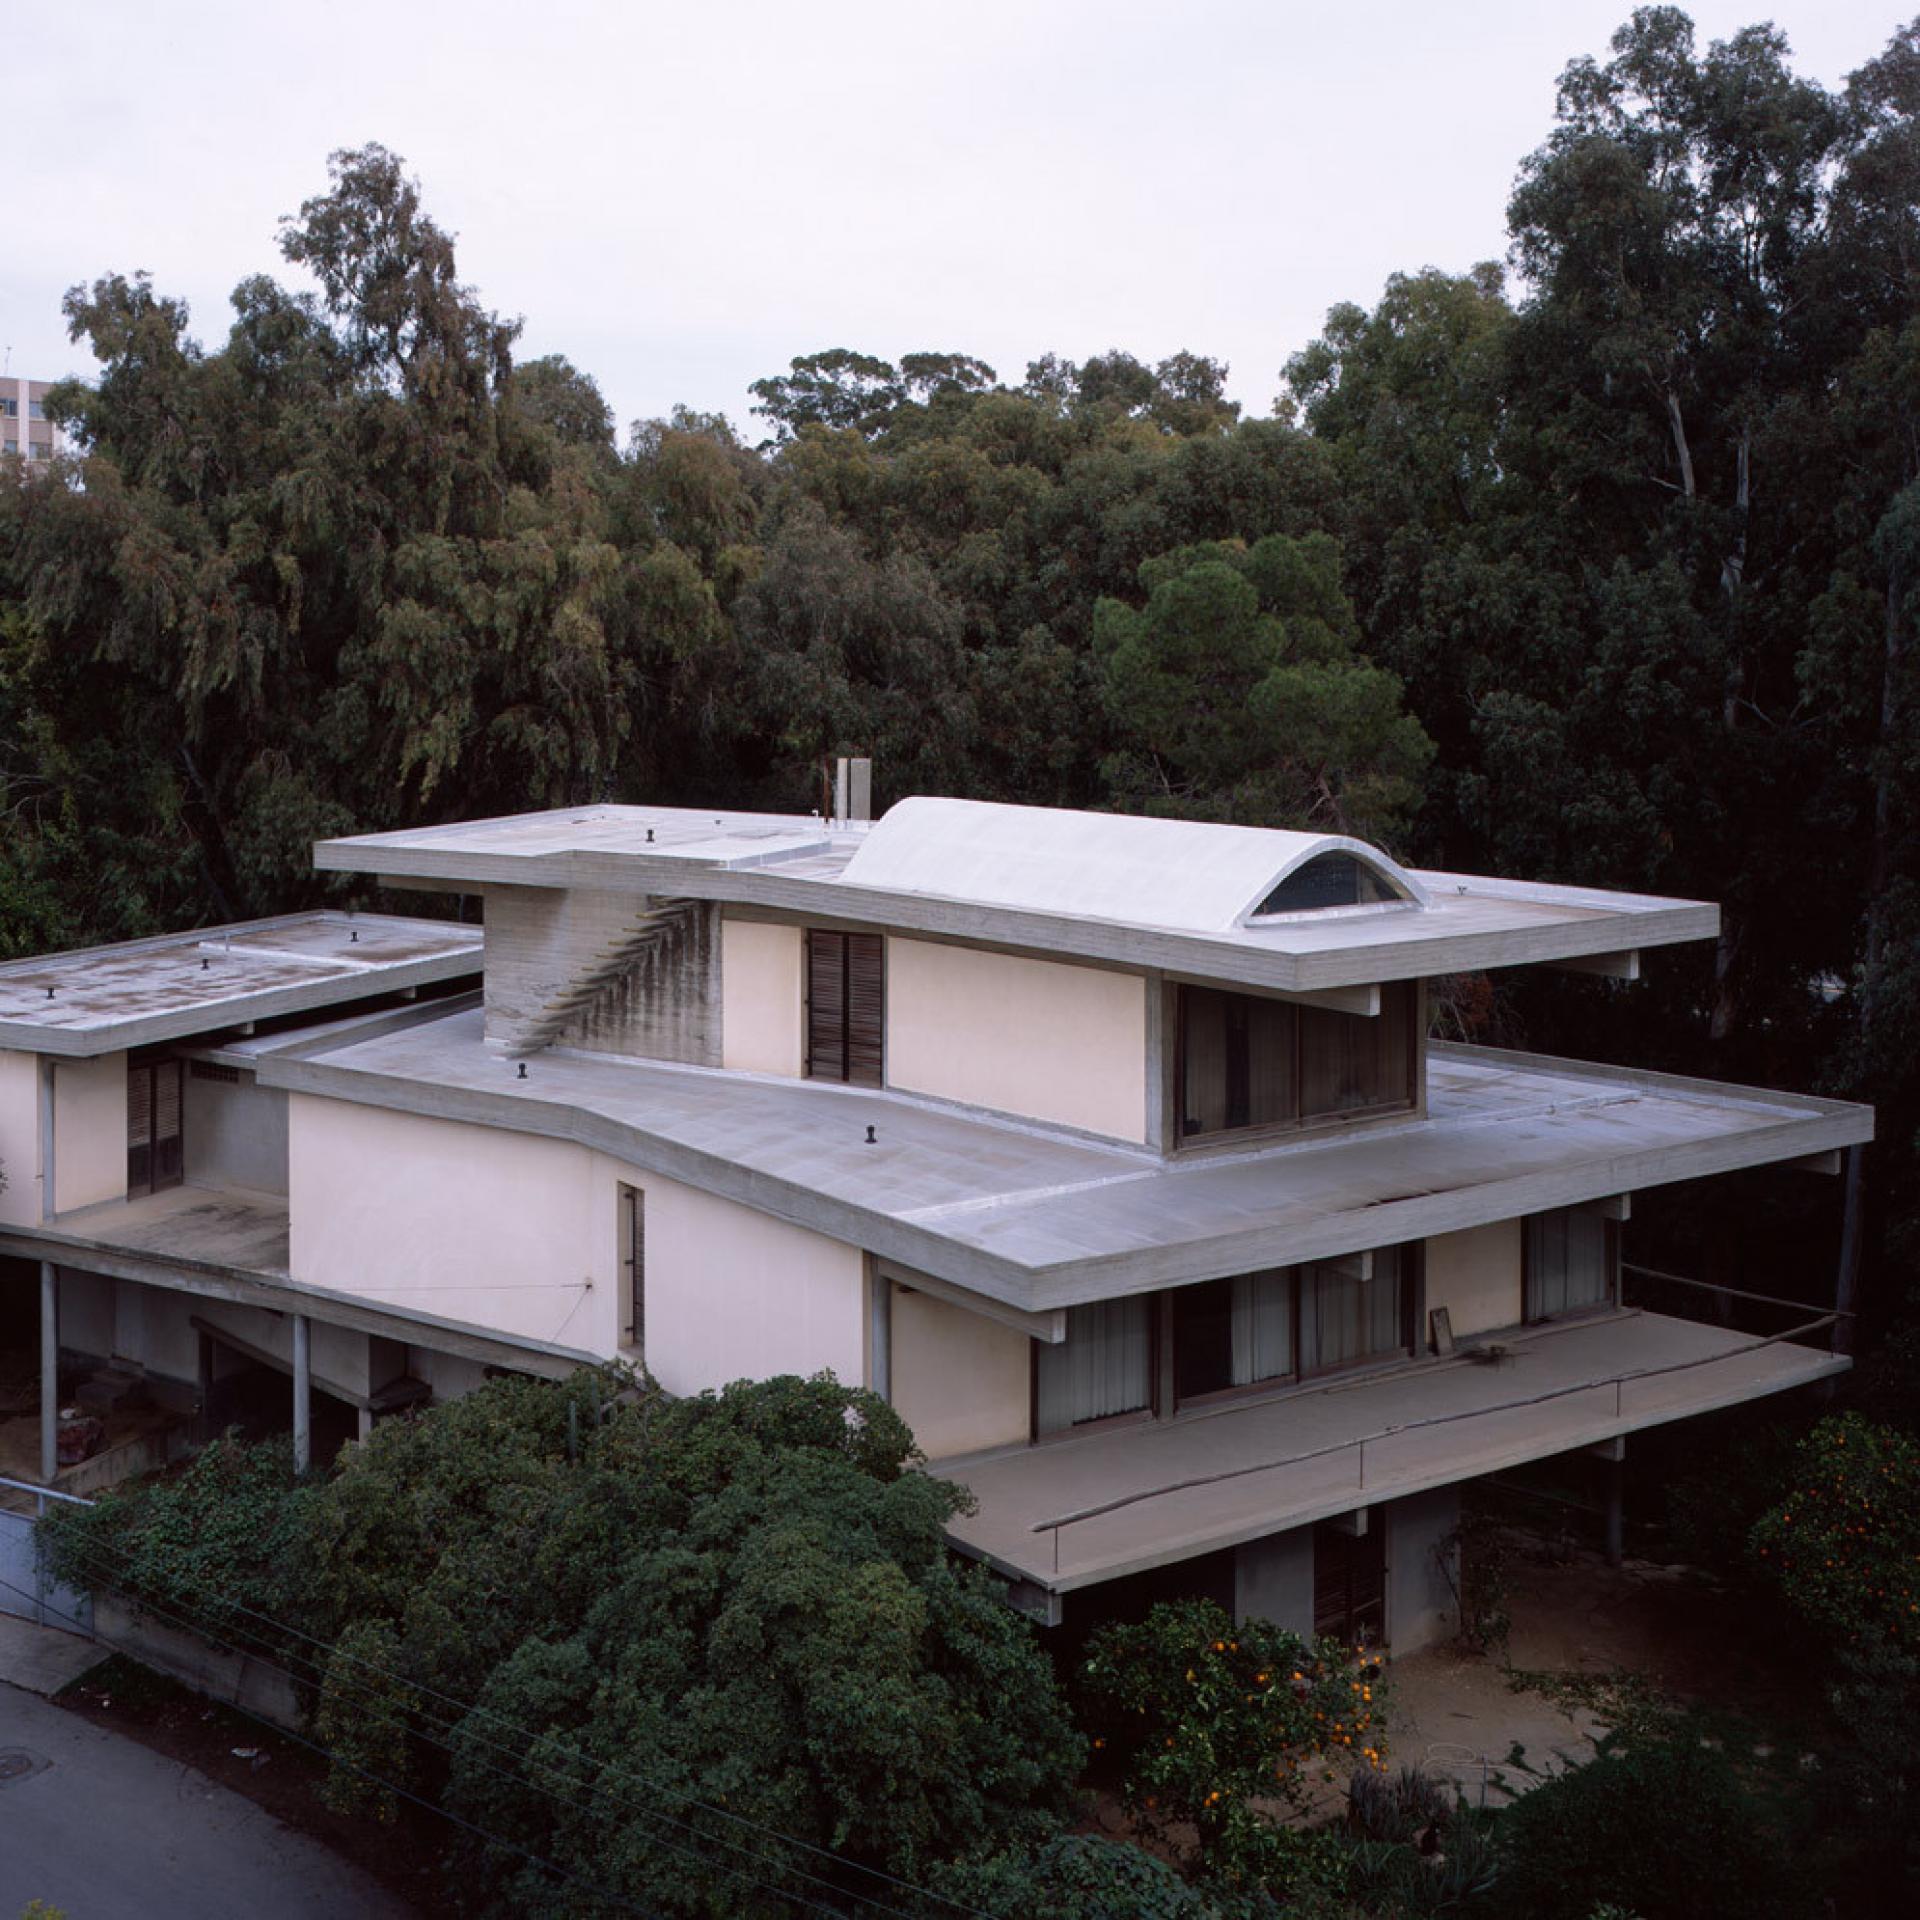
pixel 1845 1542
pixel 1209 1723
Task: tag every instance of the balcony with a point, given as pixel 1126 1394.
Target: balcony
pixel 1074 1512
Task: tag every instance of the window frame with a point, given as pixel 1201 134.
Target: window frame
pixel 1166 1402
pixel 1591 1311
pixel 1173 1101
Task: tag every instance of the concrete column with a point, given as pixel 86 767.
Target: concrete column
pixel 879 1333
pixel 1616 1471
pixel 365 1422
pixel 49 1373
pixel 302 1394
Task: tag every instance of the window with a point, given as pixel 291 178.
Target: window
pixel 35 411
pixel 633 1266
pixel 9 409
pixel 13 447
pixel 1345 1320
pixel 1102 1368
pixel 1350 1582
pixel 1327 880
pixel 40 450
pixel 846 1007
pixel 154 1157
pixel 1245 1062
pixel 1233 1333
pixel 1572 1262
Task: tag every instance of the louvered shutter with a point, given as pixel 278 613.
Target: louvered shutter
pixel 139 1130
pixel 827 1005
pixel 168 1158
pixel 866 1009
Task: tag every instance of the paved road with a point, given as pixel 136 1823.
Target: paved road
pixel 94 1823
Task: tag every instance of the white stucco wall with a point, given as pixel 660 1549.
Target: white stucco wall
pixel 1475 1275
pixel 762 997
pixel 1033 1037
pixel 20 1137
pixel 960 1381
pixel 89 1131
pixel 235 1134
pixel 499 1230
pixel 492 1229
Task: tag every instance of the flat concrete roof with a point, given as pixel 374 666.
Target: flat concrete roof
pixel 1163 1490
pixel 1038 1220
pixel 98 1000
pixel 797 865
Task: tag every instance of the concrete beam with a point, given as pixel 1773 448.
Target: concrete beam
pixel 1624 965
pixel 302 1394
pixel 49 1372
pixel 1828 1163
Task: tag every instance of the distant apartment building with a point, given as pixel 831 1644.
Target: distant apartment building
pixel 25 430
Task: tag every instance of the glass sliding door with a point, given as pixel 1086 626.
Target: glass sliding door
pixel 1572 1262
pixel 1344 1321
pixel 1104 1366
pixel 1232 1333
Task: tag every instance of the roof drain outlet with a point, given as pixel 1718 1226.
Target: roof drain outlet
pixel 873 1139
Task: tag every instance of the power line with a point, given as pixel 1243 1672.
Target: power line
pixel 98 1555
pixel 526 1853
pixel 367 1702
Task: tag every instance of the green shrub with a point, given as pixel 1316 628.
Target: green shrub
pixel 1845 1541
pixel 1207 1720
pixel 1663 1827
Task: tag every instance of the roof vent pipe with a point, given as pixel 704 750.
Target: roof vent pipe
pixel 852 790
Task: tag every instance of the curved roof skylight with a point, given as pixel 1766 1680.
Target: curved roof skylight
pixel 1192 875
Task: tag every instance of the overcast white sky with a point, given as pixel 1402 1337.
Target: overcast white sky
pixel 682 197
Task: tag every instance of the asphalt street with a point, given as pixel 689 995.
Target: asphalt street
pixel 95 1824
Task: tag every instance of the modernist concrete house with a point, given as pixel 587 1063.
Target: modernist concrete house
pixel 1112 1151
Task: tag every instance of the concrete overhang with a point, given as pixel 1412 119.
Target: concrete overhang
pixel 1037 1220
pixel 1085 1509
pixel 796 867
pixel 142 993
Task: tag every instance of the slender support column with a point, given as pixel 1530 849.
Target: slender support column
pixel 365 1425
pixel 49 1373
pixel 879 1332
pixel 302 1394
pixel 1846 1286
pixel 1616 1510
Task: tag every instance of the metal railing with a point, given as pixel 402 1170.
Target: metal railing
pixel 1358 1444
pixel 18 1548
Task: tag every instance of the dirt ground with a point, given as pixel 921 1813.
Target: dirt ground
pixel 1498 1724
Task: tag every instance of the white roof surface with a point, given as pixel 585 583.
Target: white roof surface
pixel 1195 875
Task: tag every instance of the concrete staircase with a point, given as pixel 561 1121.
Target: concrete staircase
pixel 659 920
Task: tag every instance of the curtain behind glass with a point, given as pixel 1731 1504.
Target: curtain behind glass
pixel 1569 1262
pixel 1104 1366
pixel 1343 1320
pixel 1262 1326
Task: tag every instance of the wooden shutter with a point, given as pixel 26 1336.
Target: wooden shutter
pixel 866 1009
pixel 826 1005
pixel 139 1130
pixel 169 1161
pixel 1350 1583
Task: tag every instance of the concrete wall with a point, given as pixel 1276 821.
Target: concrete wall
pixel 1475 1275
pixel 89 1131
pixel 662 1001
pixel 763 997
pixel 1273 1580
pixel 19 1137
pixel 1033 1037
pixel 493 1229
pixel 235 1134
pixel 962 1382
pixel 521 1235
pixel 1420 1602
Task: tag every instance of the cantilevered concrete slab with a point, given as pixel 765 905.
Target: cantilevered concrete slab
pixel 1073 1512
pixel 142 992
pixel 1128 893
pixel 230 1244
pixel 1038 1220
